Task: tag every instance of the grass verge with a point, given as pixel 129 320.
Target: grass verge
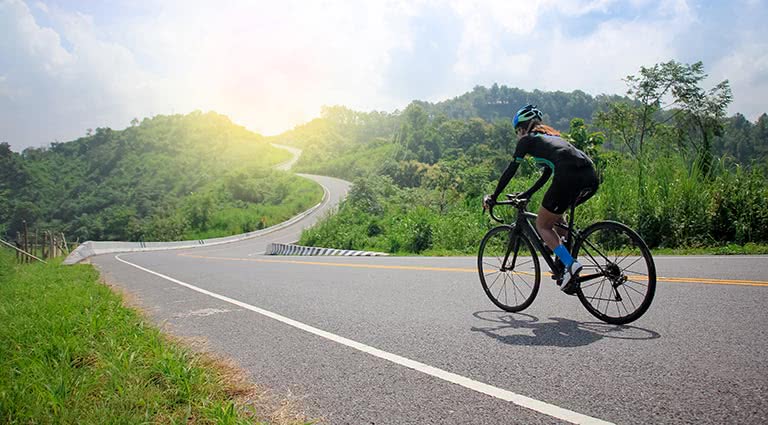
pixel 731 249
pixel 72 353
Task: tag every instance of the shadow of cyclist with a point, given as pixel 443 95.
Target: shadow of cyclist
pixel 525 329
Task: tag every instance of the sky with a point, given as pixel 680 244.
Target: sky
pixel 67 66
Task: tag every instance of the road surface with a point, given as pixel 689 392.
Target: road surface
pixel 414 340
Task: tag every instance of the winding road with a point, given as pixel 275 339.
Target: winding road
pixel 414 340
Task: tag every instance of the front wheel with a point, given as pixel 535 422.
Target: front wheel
pixel 619 276
pixel 509 268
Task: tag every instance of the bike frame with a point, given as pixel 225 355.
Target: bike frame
pixel 523 225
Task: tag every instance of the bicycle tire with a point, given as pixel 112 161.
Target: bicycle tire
pixel 515 284
pixel 635 280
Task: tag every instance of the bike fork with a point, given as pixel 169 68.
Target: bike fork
pixel 514 244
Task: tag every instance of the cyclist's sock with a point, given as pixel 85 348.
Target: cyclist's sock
pixel 562 253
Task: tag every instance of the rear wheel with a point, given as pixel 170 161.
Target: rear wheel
pixel 509 269
pixel 620 272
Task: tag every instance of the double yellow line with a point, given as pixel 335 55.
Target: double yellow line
pixel 706 281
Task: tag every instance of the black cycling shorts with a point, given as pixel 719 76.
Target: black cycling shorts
pixel 570 187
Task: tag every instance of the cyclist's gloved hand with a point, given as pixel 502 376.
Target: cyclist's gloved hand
pixel 488 201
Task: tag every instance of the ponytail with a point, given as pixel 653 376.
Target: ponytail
pixel 541 128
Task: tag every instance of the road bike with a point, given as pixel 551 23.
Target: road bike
pixel 616 285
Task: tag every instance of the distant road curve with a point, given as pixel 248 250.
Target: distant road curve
pixel 334 190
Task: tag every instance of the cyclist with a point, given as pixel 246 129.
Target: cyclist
pixel 574 182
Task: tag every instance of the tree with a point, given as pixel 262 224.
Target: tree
pixel 760 137
pixel 704 112
pixel 417 139
pixel 672 87
pixel 587 142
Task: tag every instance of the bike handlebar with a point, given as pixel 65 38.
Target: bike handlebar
pixel 519 203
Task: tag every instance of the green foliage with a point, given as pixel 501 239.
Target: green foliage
pixel 166 178
pixel 501 102
pixel 441 158
pixel 680 208
pixel 698 113
pixel 71 353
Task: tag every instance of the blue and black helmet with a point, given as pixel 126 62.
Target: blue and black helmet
pixel 525 114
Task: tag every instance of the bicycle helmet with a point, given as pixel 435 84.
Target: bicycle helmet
pixel 525 114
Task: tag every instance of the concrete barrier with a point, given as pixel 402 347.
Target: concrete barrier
pixel 291 249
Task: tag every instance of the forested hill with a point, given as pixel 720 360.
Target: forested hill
pixel 164 178
pixel 683 176
pixel 478 125
pixel 501 102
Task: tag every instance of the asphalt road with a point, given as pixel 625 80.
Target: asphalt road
pixel 413 340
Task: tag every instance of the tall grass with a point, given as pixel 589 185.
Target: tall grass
pixel 236 217
pixel 675 207
pixel 72 354
pixel 679 206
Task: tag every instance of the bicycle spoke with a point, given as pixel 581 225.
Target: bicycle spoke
pixel 634 307
pixel 608 296
pixel 493 272
pixel 509 269
pixel 515 290
pixel 494 281
pixel 618 310
pixel 636 282
pixel 503 285
pixel 506 293
pixel 625 286
pixel 519 290
pixel 596 250
pixel 594 261
pixel 526 283
pixel 608 300
pixel 592 284
pixel 633 263
pixel 624 260
pixel 635 272
pixel 600 288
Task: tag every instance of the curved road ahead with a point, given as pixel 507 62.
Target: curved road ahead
pixel 412 340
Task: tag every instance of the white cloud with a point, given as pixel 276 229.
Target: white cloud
pixel 598 62
pixel 746 69
pixel 486 24
pixel 538 55
pixel 271 64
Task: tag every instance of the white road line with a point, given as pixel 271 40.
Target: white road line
pixel 518 399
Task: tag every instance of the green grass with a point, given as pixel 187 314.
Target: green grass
pixel 731 249
pixel 72 353
pixel 232 219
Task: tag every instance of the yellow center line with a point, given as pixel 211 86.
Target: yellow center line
pixel 713 281
pixel 708 281
pixel 320 263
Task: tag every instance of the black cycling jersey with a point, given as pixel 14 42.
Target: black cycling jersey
pixel 551 152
